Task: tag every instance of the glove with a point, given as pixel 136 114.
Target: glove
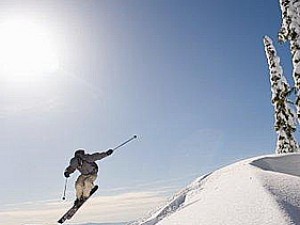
pixel 109 152
pixel 66 174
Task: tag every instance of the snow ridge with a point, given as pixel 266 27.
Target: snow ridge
pixel 281 180
pixel 175 203
pixel 262 190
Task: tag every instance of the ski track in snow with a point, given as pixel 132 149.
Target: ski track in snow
pixel 262 190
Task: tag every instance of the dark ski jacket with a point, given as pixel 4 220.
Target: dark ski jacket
pixel 85 163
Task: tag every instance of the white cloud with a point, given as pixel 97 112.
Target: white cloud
pixel 121 207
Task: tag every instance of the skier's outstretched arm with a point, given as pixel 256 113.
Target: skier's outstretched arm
pixel 97 156
pixel 71 168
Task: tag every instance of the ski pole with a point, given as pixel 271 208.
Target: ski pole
pixel 64 195
pixel 124 143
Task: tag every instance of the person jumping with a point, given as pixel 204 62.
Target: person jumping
pixel 88 168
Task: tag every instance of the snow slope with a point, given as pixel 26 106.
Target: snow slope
pixel 102 224
pixel 263 190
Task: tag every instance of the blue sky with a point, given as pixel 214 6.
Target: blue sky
pixel 190 78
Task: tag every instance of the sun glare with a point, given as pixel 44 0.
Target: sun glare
pixel 26 48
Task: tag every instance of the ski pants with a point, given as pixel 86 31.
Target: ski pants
pixel 84 185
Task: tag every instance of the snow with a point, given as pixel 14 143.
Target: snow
pixel 285 116
pixel 262 190
pixel 102 224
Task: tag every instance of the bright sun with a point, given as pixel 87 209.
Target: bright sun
pixel 26 48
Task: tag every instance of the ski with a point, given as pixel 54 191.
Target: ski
pixel 71 212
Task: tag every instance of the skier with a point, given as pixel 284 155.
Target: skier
pixel 86 165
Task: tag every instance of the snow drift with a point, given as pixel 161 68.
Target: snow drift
pixel 263 190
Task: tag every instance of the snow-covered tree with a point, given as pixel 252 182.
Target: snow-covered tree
pixel 285 117
pixel 290 31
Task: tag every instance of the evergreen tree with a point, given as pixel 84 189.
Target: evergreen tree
pixel 285 117
pixel 290 31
